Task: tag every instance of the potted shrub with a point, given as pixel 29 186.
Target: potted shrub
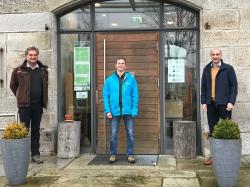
pixel 226 152
pixel 15 147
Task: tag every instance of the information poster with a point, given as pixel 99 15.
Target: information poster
pixel 176 70
pixel 81 68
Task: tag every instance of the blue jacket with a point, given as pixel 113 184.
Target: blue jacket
pixel 130 98
pixel 226 86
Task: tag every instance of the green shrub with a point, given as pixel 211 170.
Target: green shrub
pixel 226 129
pixel 15 131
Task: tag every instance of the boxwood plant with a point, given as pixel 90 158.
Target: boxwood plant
pixel 226 129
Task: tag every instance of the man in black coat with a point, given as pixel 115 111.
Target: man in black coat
pixel 219 89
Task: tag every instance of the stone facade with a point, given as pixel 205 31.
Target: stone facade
pixel 229 30
pixel 223 24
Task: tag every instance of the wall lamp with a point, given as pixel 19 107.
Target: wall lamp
pixel 207 26
pixel 46 27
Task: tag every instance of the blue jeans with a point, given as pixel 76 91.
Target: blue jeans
pixel 114 127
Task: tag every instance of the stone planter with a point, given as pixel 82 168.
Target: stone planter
pixel 226 155
pixel 16 158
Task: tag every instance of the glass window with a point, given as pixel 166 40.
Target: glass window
pixel 180 80
pixel 178 17
pixel 75 85
pixel 123 14
pixel 78 19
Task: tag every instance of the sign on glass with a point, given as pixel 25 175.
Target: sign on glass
pixel 81 68
pixel 176 70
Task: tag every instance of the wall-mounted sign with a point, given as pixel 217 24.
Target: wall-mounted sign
pixel 81 68
pixel 176 70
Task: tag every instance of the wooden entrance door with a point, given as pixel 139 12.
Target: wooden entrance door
pixel 141 52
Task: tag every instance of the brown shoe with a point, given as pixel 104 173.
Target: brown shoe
pixel 208 161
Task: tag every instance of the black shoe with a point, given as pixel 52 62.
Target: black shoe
pixel 37 159
pixel 131 159
pixel 112 159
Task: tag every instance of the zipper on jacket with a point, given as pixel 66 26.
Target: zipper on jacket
pixel 120 92
pixel 220 70
pixel 29 84
pixel 123 87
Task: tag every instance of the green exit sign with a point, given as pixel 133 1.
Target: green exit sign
pixel 137 19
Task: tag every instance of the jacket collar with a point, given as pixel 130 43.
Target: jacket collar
pixel 125 76
pixel 222 65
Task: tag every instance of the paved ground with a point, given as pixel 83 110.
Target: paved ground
pixel 169 172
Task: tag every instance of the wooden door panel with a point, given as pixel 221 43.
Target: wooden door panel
pixel 141 52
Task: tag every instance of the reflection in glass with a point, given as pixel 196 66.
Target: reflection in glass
pixel 76 98
pixel 180 80
pixel 178 17
pixel 123 14
pixel 78 19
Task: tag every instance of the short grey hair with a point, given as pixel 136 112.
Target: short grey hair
pixel 32 48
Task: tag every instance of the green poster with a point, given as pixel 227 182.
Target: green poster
pixel 81 67
pixel 81 54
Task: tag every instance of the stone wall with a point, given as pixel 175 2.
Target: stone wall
pixel 223 24
pixel 23 25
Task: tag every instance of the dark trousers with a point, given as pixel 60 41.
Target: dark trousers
pixel 215 113
pixel 32 115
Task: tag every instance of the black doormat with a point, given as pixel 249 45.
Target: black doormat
pixel 141 160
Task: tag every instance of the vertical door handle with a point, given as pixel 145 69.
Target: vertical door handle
pixel 104 75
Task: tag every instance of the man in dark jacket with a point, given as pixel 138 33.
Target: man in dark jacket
pixel 219 89
pixel 29 83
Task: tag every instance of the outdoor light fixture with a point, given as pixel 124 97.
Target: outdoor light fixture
pixel 97 4
pixel 170 22
pixel 46 27
pixel 114 24
pixel 207 26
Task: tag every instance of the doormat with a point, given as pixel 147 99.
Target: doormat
pixel 121 160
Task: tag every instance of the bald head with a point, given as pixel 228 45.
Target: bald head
pixel 216 55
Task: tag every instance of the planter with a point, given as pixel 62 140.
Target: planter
pixel 226 155
pixel 16 158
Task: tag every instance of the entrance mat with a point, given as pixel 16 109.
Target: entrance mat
pixel 141 160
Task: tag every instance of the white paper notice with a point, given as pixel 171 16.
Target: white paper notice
pixel 176 70
pixel 81 95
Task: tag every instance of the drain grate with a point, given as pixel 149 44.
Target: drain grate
pixel 141 160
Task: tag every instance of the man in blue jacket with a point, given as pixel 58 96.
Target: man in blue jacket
pixel 219 89
pixel 120 95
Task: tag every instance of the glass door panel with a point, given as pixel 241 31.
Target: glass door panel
pixel 75 85
pixel 180 61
